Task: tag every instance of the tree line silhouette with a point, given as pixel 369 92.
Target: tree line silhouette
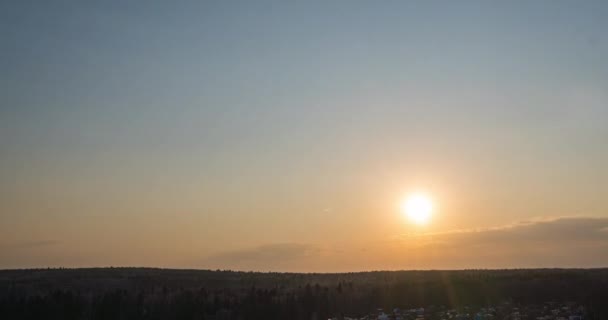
pixel 140 293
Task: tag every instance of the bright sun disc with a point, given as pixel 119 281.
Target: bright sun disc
pixel 418 208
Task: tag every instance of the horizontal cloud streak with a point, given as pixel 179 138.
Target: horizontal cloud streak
pixel 562 230
pixel 29 244
pixel 262 257
pixel 560 242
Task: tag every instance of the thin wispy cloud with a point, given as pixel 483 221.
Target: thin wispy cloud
pixel 541 242
pixel 568 241
pixel 265 255
pixel 29 244
pixel 550 230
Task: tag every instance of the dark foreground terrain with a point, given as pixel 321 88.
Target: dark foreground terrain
pixel 140 293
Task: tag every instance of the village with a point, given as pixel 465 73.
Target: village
pixel 503 311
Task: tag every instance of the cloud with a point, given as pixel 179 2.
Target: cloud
pixel 569 230
pixel 29 244
pixel 265 257
pixel 555 242
pixel 559 242
pixel 38 253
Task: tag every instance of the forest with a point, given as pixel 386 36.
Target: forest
pixel 146 293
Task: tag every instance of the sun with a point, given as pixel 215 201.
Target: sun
pixel 418 207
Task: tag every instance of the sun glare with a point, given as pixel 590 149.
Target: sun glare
pixel 418 208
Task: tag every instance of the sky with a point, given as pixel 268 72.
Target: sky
pixel 276 136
